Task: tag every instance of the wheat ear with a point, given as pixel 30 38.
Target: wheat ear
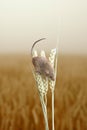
pixel 42 85
pixel 53 62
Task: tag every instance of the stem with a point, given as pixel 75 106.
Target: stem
pixel 52 109
pixel 44 112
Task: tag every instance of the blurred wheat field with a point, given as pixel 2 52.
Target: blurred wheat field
pixel 20 107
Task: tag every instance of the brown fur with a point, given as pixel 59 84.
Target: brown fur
pixel 43 67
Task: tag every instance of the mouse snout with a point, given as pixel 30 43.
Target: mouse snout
pixel 51 76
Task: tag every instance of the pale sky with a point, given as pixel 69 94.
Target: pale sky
pixel 24 21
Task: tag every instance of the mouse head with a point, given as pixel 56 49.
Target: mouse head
pixel 50 74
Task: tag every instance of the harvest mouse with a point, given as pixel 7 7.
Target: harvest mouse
pixel 41 64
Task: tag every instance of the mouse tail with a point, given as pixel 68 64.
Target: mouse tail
pixel 35 44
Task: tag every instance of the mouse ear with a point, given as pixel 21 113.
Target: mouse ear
pixel 47 72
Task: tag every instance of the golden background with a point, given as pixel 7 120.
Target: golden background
pixel 20 107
